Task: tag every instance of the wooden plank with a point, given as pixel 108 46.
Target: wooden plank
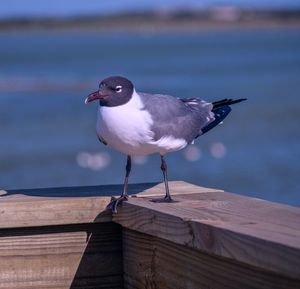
pixel 45 211
pixel 252 231
pixel 56 206
pixel 176 187
pixel 154 263
pixel 61 257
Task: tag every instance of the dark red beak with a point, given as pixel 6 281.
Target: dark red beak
pixel 94 96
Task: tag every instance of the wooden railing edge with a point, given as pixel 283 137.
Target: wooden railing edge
pixel 251 231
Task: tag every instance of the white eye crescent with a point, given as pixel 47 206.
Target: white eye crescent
pixel 118 88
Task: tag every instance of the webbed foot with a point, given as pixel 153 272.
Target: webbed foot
pixel 166 199
pixel 115 202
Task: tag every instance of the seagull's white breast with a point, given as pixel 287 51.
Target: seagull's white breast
pixel 127 128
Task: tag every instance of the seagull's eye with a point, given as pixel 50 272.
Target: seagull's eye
pixel 118 88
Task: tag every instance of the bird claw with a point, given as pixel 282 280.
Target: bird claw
pixel 115 202
pixel 166 199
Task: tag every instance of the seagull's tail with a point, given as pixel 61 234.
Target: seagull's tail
pixel 220 109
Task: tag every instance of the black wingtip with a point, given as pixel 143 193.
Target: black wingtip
pixel 227 101
pixel 242 99
pixel 238 100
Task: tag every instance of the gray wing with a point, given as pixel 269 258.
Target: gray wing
pixel 180 118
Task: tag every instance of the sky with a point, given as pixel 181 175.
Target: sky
pixel 60 8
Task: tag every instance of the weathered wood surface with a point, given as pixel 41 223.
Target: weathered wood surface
pixel 59 238
pixel 259 233
pixel 58 206
pixel 154 263
pixel 45 239
pixel 62 257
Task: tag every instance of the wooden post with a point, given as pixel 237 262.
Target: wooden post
pixel 49 240
pixel 209 239
pixel 65 238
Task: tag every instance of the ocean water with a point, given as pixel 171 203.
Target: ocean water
pixel 48 134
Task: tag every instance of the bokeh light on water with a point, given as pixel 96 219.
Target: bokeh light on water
pixel 218 150
pixel 97 161
pixel 192 153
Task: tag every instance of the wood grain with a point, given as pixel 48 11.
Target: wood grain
pixel 78 257
pixel 153 263
pixel 251 231
pixel 207 238
pixel 56 206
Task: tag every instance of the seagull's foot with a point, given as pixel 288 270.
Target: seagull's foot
pixel 166 199
pixel 115 202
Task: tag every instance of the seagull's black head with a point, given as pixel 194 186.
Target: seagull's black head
pixel 113 91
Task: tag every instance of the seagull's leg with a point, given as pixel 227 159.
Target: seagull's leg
pixel 167 197
pixel 128 169
pixel 164 170
pixel 124 196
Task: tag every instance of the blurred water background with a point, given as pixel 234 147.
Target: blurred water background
pixel 48 133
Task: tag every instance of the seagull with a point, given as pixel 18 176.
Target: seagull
pixel 136 123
